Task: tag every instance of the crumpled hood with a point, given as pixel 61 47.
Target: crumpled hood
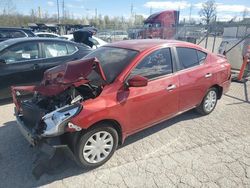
pixel 72 72
pixel 61 77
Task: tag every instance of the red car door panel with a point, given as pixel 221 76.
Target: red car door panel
pixel 195 78
pixel 193 86
pixel 159 99
pixel 152 103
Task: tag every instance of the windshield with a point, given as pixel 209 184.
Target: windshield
pixel 154 25
pixel 113 60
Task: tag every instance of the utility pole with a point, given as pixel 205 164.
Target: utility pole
pixel 132 9
pixel 96 13
pixel 39 12
pixel 63 14
pixel 58 13
pixel 151 10
pixel 190 13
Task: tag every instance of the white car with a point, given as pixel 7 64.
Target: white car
pixel 96 41
pixel 46 34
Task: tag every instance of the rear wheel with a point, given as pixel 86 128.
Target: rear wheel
pixel 96 146
pixel 209 102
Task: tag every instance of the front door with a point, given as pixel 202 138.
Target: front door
pixel 159 99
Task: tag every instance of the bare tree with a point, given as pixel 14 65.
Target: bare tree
pixel 245 13
pixel 208 11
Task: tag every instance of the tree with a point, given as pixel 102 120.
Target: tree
pixel 208 11
pixel 245 13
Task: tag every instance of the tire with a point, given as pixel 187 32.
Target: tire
pixel 91 154
pixel 209 102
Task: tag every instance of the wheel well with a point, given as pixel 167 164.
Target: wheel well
pixel 219 90
pixel 112 123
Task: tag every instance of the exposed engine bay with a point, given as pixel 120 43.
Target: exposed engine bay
pixel 67 97
pixel 45 117
pixel 58 98
pixel 48 116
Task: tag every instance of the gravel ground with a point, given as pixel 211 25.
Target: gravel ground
pixel 186 151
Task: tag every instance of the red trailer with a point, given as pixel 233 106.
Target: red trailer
pixel 161 25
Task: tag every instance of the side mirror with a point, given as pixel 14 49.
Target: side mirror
pixel 2 62
pixel 137 81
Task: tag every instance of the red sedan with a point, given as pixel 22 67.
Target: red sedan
pixel 116 91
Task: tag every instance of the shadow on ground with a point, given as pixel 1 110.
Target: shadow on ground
pixel 16 157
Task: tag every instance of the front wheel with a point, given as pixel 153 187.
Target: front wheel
pixel 208 103
pixel 96 146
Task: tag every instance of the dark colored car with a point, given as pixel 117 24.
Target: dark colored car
pixel 15 32
pixel 117 90
pixel 24 60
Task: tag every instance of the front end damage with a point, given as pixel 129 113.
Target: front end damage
pixel 44 118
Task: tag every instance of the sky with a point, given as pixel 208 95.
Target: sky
pixel 226 9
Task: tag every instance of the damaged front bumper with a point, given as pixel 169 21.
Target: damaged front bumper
pixel 52 152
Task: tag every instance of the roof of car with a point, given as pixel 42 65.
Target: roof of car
pixel 143 44
pixel 47 33
pixel 24 39
pixel 14 41
pixel 15 28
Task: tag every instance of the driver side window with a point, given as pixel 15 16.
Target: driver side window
pixel 156 64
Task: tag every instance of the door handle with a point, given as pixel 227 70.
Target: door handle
pixel 208 75
pixel 171 87
pixel 36 66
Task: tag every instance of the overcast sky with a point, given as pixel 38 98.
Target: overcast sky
pixel 226 9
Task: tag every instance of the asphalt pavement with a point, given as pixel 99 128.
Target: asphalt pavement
pixel 187 151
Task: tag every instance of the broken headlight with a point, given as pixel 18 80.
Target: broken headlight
pixel 57 120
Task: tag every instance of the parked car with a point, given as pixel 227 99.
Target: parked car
pixel 113 36
pixel 14 32
pixel 46 34
pixel 117 36
pixel 24 60
pixel 96 41
pixel 117 90
pixel 103 35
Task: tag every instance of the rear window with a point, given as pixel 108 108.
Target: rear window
pixel 189 57
pixel 71 48
pixel 201 56
pixel 54 49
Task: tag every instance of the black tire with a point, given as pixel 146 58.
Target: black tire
pixel 82 162
pixel 201 109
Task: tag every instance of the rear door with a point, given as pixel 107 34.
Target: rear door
pixel 20 67
pixel 195 76
pixel 159 99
